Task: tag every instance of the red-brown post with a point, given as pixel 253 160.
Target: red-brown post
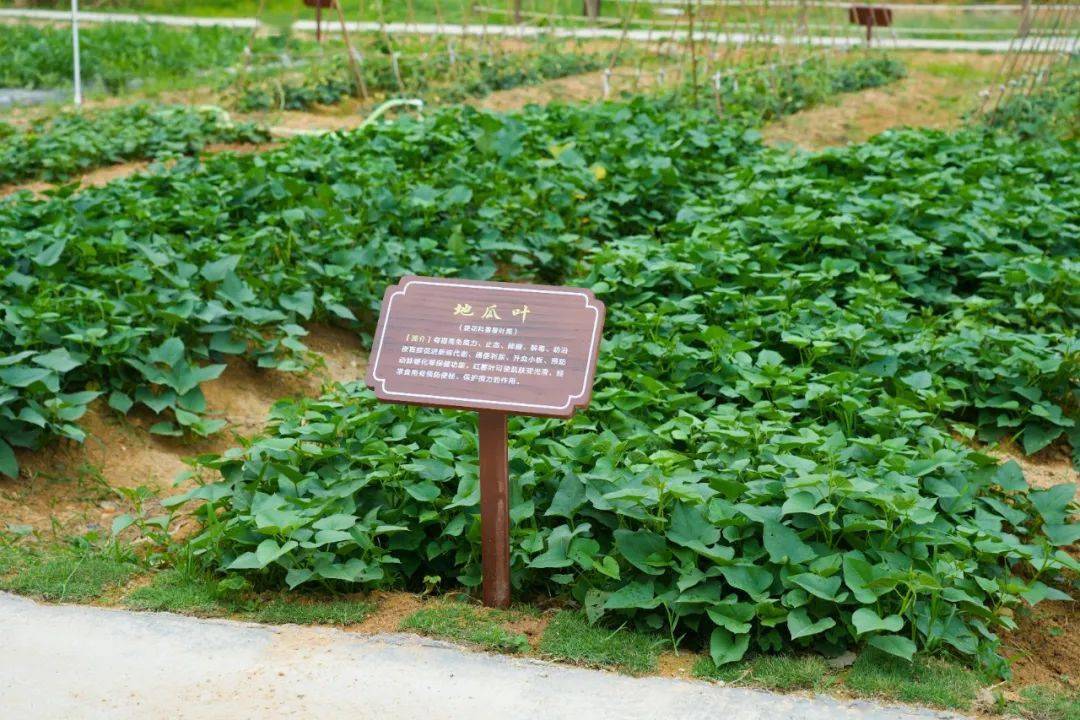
pixel 494 508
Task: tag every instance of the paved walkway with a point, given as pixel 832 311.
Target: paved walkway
pixel 79 662
pixel 1033 43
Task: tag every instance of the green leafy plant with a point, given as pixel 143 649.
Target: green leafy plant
pixel 116 57
pixel 769 461
pixel 799 349
pixel 73 142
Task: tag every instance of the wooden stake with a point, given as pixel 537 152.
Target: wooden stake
pixel 354 66
pixel 494 508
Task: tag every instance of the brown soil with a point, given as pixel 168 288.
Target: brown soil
pixel 1046 468
pixel 587 87
pixel 391 610
pixel 1045 648
pixel 568 89
pixel 677 665
pixel 74 485
pixel 939 90
pixel 531 626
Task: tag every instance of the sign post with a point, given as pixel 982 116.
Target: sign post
pixel 500 349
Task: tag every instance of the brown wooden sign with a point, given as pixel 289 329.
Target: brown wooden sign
pixel 500 349
pixel 519 349
pixel 870 16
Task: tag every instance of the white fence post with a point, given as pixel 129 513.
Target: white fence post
pixel 75 51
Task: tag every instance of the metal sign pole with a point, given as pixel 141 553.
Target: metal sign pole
pixel 494 508
pixel 75 49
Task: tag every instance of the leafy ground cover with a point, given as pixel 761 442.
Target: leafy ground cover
pixel 72 142
pixel 771 460
pixel 1052 110
pixel 116 57
pixel 795 345
pixel 771 93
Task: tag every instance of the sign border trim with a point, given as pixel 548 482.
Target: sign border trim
pixel 589 367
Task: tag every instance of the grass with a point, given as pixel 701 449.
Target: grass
pixel 570 637
pixel 341 611
pixel 66 574
pixel 783 673
pixel 69 574
pixel 192 593
pixel 464 623
pixel 1044 703
pixel 177 591
pixel 10 558
pixel 930 681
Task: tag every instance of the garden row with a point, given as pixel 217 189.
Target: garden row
pixel 753 93
pixel 69 143
pixel 795 345
pixel 438 77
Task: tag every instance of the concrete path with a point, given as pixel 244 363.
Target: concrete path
pixel 79 663
pixel 1033 43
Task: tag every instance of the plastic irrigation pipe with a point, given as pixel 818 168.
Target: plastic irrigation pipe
pixel 389 105
pixel 76 70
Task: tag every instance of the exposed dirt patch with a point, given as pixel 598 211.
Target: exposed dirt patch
pixel 568 89
pixel 74 484
pixel 531 626
pixel 391 610
pixel 1046 468
pixel 587 87
pixel 677 665
pixel 342 352
pixel 937 93
pixel 1045 649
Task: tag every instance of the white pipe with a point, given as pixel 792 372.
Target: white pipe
pixel 76 69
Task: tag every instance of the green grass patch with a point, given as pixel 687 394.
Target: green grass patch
pixel 10 558
pixel 66 574
pixel 193 593
pixel 1044 703
pixel 570 637
pixel 178 591
pixel 773 672
pixel 464 623
pixel 302 611
pixel 929 681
